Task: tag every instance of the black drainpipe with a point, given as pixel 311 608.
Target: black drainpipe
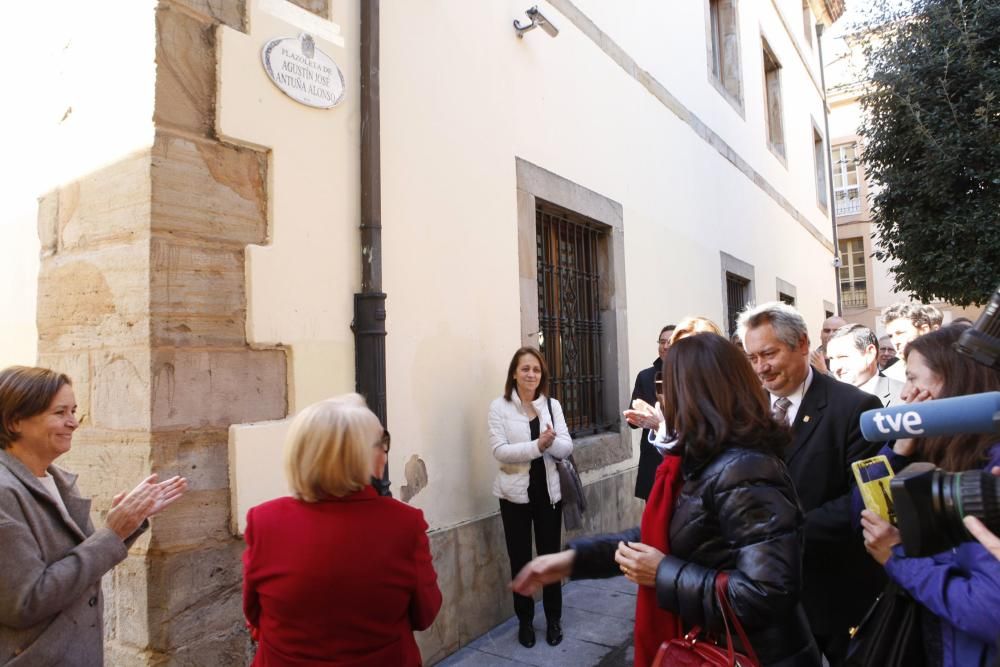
pixel 829 167
pixel 369 304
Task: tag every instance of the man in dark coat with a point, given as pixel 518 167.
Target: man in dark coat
pixel 645 389
pixel 840 580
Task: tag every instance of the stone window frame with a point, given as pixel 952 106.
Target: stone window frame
pixel 837 160
pixel 533 182
pixel 848 249
pixel 774 125
pixel 808 24
pixel 783 287
pixel 737 267
pixel 820 152
pixel 718 80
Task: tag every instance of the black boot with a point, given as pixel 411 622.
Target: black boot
pixel 553 633
pixel 526 634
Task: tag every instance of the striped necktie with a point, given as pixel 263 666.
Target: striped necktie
pixel 780 410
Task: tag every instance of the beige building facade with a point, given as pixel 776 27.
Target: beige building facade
pixel 866 284
pixel 198 268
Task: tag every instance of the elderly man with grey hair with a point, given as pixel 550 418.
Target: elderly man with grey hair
pixel 853 352
pixel 840 581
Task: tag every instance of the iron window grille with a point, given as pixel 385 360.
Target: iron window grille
pixel 737 297
pixel 568 250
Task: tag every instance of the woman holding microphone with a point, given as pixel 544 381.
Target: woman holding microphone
pixel 528 434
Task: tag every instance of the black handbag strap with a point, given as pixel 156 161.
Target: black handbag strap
pixel 552 418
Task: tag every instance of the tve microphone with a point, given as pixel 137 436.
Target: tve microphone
pixel 976 413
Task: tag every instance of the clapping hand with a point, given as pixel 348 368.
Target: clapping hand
pixel 818 361
pixel 643 415
pixel 129 510
pixel 546 439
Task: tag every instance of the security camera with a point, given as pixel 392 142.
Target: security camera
pixel 538 20
pixel 836 262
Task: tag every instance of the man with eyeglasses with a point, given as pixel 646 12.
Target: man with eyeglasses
pixel 645 389
pixel 886 352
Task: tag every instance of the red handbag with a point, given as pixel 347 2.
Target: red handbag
pixel 694 651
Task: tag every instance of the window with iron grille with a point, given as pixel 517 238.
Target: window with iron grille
pixel 568 250
pixel 853 273
pixel 786 298
pixel 737 298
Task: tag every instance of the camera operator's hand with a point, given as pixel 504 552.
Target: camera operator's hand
pixel 880 536
pixel 981 532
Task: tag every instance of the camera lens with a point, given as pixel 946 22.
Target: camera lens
pixel 977 495
pixel 947 496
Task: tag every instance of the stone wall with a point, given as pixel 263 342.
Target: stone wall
pixel 474 573
pixel 142 300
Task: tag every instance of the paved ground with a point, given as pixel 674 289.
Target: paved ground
pixel 598 618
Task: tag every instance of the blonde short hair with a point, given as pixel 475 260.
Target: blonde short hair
pixel 693 325
pixel 329 448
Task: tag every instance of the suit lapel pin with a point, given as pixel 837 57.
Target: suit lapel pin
pixel 805 418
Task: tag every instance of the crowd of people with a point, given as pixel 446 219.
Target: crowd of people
pixel 744 466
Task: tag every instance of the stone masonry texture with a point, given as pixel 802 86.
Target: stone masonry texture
pixel 142 301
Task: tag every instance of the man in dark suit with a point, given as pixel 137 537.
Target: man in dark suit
pixel 645 389
pixel 853 352
pixel 840 580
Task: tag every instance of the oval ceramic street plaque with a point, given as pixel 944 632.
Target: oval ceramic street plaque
pixel 303 72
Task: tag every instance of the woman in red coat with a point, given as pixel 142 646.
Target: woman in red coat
pixel 337 575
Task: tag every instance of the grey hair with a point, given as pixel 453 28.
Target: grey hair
pixel 918 314
pixel 860 335
pixel 789 325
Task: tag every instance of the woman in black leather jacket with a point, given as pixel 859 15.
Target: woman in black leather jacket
pixel 731 507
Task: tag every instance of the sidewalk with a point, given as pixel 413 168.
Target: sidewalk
pixel 598 618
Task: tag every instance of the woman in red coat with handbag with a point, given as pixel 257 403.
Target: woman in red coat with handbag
pixel 337 575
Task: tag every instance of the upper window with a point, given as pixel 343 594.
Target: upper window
pixel 724 47
pixel 807 22
pixel 819 162
pixel 568 250
pixel 772 99
pixel 846 188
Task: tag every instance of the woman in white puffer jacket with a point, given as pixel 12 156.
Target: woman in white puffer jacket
pixel 528 434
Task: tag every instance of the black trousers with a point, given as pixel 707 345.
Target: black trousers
pixel 517 524
pixel 834 647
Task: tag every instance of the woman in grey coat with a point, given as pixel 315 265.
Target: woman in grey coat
pixel 52 558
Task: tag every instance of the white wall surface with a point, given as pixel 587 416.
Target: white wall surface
pixel 462 98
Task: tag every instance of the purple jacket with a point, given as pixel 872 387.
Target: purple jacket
pixel 961 587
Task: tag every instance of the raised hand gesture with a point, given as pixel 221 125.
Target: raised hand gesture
pixel 129 510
